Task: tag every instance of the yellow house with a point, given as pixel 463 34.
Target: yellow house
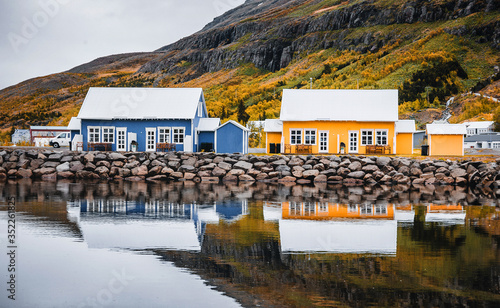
pixel 340 121
pixel 446 139
pixel 327 211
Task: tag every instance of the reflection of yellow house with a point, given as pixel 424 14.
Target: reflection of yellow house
pixel 325 210
pixel 341 121
pixel 446 139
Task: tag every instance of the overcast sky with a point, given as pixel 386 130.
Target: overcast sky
pixel 41 37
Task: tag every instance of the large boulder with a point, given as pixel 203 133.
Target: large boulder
pixel 243 165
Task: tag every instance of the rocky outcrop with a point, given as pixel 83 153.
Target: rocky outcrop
pixel 210 167
pixel 263 33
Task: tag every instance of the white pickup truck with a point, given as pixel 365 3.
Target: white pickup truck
pixel 61 140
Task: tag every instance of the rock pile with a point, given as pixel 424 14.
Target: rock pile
pixel 210 167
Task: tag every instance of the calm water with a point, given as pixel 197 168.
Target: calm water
pixel 186 245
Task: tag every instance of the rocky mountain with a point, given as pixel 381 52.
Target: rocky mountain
pixel 429 49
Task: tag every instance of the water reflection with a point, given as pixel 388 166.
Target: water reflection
pixel 265 245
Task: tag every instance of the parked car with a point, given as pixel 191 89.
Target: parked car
pixel 61 140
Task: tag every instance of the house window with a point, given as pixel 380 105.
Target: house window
pixel 352 208
pixel 295 209
pixel 164 134
pixel 94 133
pixel 310 136
pixel 380 209
pixel 381 136
pixel 495 145
pixel 366 210
pixel 366 137
pixel 295 136
pixel 178 135
pixel 108 134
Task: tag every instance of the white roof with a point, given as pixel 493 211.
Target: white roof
pixel 126 234
pixel 208 124
pixel 340 105
pixel 235 123
pixel 479 124
pixel 405 126
pixel 356 236
pixel 75 124
pixel 273 126
pixel 446 129
pixel 141 103
pixel 49 128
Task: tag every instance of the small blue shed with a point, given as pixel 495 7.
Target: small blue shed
pixel 231 137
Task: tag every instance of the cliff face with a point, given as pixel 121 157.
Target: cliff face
pixel 270 34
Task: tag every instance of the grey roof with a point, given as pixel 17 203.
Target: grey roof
pixel 482 137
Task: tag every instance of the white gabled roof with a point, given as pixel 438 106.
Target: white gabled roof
pixel 405 126
pixel 236 124
pixel 75 124
pixel 141 103
pixel 273 126
pixel 479 124
pixel 208 124
pixel 446 129
pixel 340 105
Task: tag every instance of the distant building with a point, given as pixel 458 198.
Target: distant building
pixel 273 129
pixel 46 132
pixel 479 127
pixel 21 135
pixel 483 141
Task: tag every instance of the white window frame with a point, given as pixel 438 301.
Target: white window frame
pixel 124 130
pixel 495 145
pixel 175 135
pixel 110 133
pixel 308 133
pixel 386 131
pixel 200 109
pixel 148 147
pixel 92 135
pixel 366 133
pixel 293 133
pixel 160 134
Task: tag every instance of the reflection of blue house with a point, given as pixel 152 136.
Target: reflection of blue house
pixel 231 137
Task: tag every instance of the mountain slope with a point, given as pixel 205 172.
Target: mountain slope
pixel 428 49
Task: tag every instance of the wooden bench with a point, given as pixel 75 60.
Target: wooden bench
pixel 165 147
pixel 378 149
pixel 303 149
pixel 99 146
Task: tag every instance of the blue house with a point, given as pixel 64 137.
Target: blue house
pixel 231 137
pixel 206 134
pixel 141 119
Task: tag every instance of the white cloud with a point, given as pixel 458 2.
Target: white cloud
pixel 40 37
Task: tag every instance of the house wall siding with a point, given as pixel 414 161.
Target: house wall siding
pixel 446 145
pixel 272 138
pixel 338 132
pixel 230 139
pixel 138 127
pixel 404 142
pixel 206 137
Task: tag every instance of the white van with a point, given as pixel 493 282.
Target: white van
pixel 61 140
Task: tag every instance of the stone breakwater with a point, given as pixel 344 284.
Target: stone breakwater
pixel 210 167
